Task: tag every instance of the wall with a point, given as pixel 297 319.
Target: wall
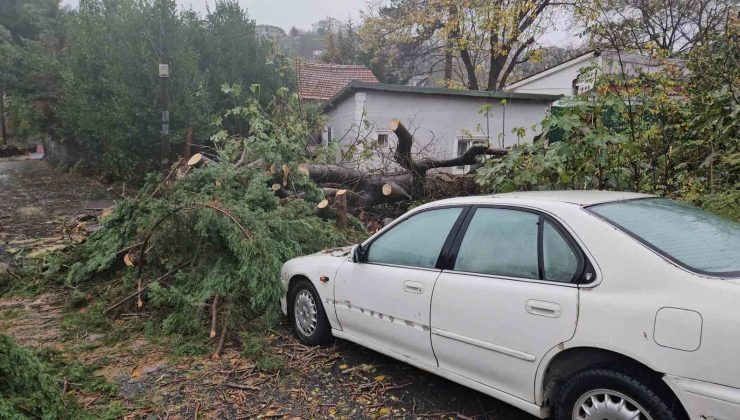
pixel 436 121
pixel 556 81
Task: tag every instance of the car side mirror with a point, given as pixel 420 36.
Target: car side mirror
pixel 358 253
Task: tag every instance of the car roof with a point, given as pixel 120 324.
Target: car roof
pixel 576 197
pixel 580 197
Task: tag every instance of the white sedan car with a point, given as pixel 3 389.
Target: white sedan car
pixel 572 304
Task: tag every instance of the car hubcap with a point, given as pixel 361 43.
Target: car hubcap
pixel 605 404
pixel 305 312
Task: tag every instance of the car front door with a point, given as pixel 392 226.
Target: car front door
pixel 508 298
pixel 384 299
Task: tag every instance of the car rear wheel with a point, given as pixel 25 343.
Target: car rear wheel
pixel 602 394
pixel 307 314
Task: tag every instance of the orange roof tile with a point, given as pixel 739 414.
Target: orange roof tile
pixel 318 81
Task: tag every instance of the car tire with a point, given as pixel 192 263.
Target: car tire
pixel 588 390
pixel 307 316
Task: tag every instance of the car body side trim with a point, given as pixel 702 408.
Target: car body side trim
pixel 533 409
pixel 347 305
pixel 484 345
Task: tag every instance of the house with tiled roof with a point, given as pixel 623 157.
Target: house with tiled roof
pixel 320 81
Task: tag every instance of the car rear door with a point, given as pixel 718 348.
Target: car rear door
pixel 507 299
pixel 385 298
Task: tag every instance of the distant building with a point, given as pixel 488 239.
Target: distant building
pixel 269 31
pixel 329 24
pixel 445 122
pixel 316 54
pixel 568 78
pixel 319 82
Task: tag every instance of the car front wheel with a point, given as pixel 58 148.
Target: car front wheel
pixel 307 314
pixel 602 394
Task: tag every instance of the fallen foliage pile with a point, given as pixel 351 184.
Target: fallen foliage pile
pixel 204 246
pixel 27 389
pixel 36 383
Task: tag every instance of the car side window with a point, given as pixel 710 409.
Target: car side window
pixel 416 241
pixel 500 242
pixel 559 260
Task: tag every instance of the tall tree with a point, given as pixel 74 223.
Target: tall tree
pixel 670 26
pixel 482 41
pixel 342 46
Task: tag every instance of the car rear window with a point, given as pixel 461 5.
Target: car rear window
pixel 694 238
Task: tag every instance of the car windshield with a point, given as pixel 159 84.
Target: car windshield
pixel 694 238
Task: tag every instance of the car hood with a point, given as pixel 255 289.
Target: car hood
pixel 325 262
pixel 333 252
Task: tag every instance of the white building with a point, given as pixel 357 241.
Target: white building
pixel 578 75
pixel 329 24
pixel 269 31
pixel 445 122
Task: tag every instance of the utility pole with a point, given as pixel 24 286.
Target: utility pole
pixel 164 77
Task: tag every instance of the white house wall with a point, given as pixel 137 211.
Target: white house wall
pixel 557 81
pixel 437 121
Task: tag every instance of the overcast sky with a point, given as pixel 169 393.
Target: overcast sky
pixel 302 13
pixel 284 13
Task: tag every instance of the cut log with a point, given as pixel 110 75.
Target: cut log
pixel 198 160
pixel 303 168
pixel 280 191
pixel 324 210
pixel 286 170
pixel 129 259
pixel 394 191
pixel 405 141
pixel 340 204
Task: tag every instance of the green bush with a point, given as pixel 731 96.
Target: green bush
pixel 663 133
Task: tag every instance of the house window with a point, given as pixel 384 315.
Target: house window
pixel 382 139
pixel 328 134
pixel 464 144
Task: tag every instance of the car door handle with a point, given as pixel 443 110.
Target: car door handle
pixel 413 287
pixel 542 308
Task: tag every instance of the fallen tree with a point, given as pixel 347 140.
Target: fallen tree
pixel 413 179
pixel 201 247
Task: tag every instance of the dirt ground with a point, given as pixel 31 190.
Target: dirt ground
pixel 340 381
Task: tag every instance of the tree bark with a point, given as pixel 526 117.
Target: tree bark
pixel 2 117
pixel 187 146
pixel 340 204
pixel 214 312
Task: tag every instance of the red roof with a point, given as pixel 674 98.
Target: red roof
pixel 318 81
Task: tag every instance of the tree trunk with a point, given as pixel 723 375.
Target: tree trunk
pixel 2 118
pixel 448 69
pixel 187 146
pixel 340 203
pixel 470 69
